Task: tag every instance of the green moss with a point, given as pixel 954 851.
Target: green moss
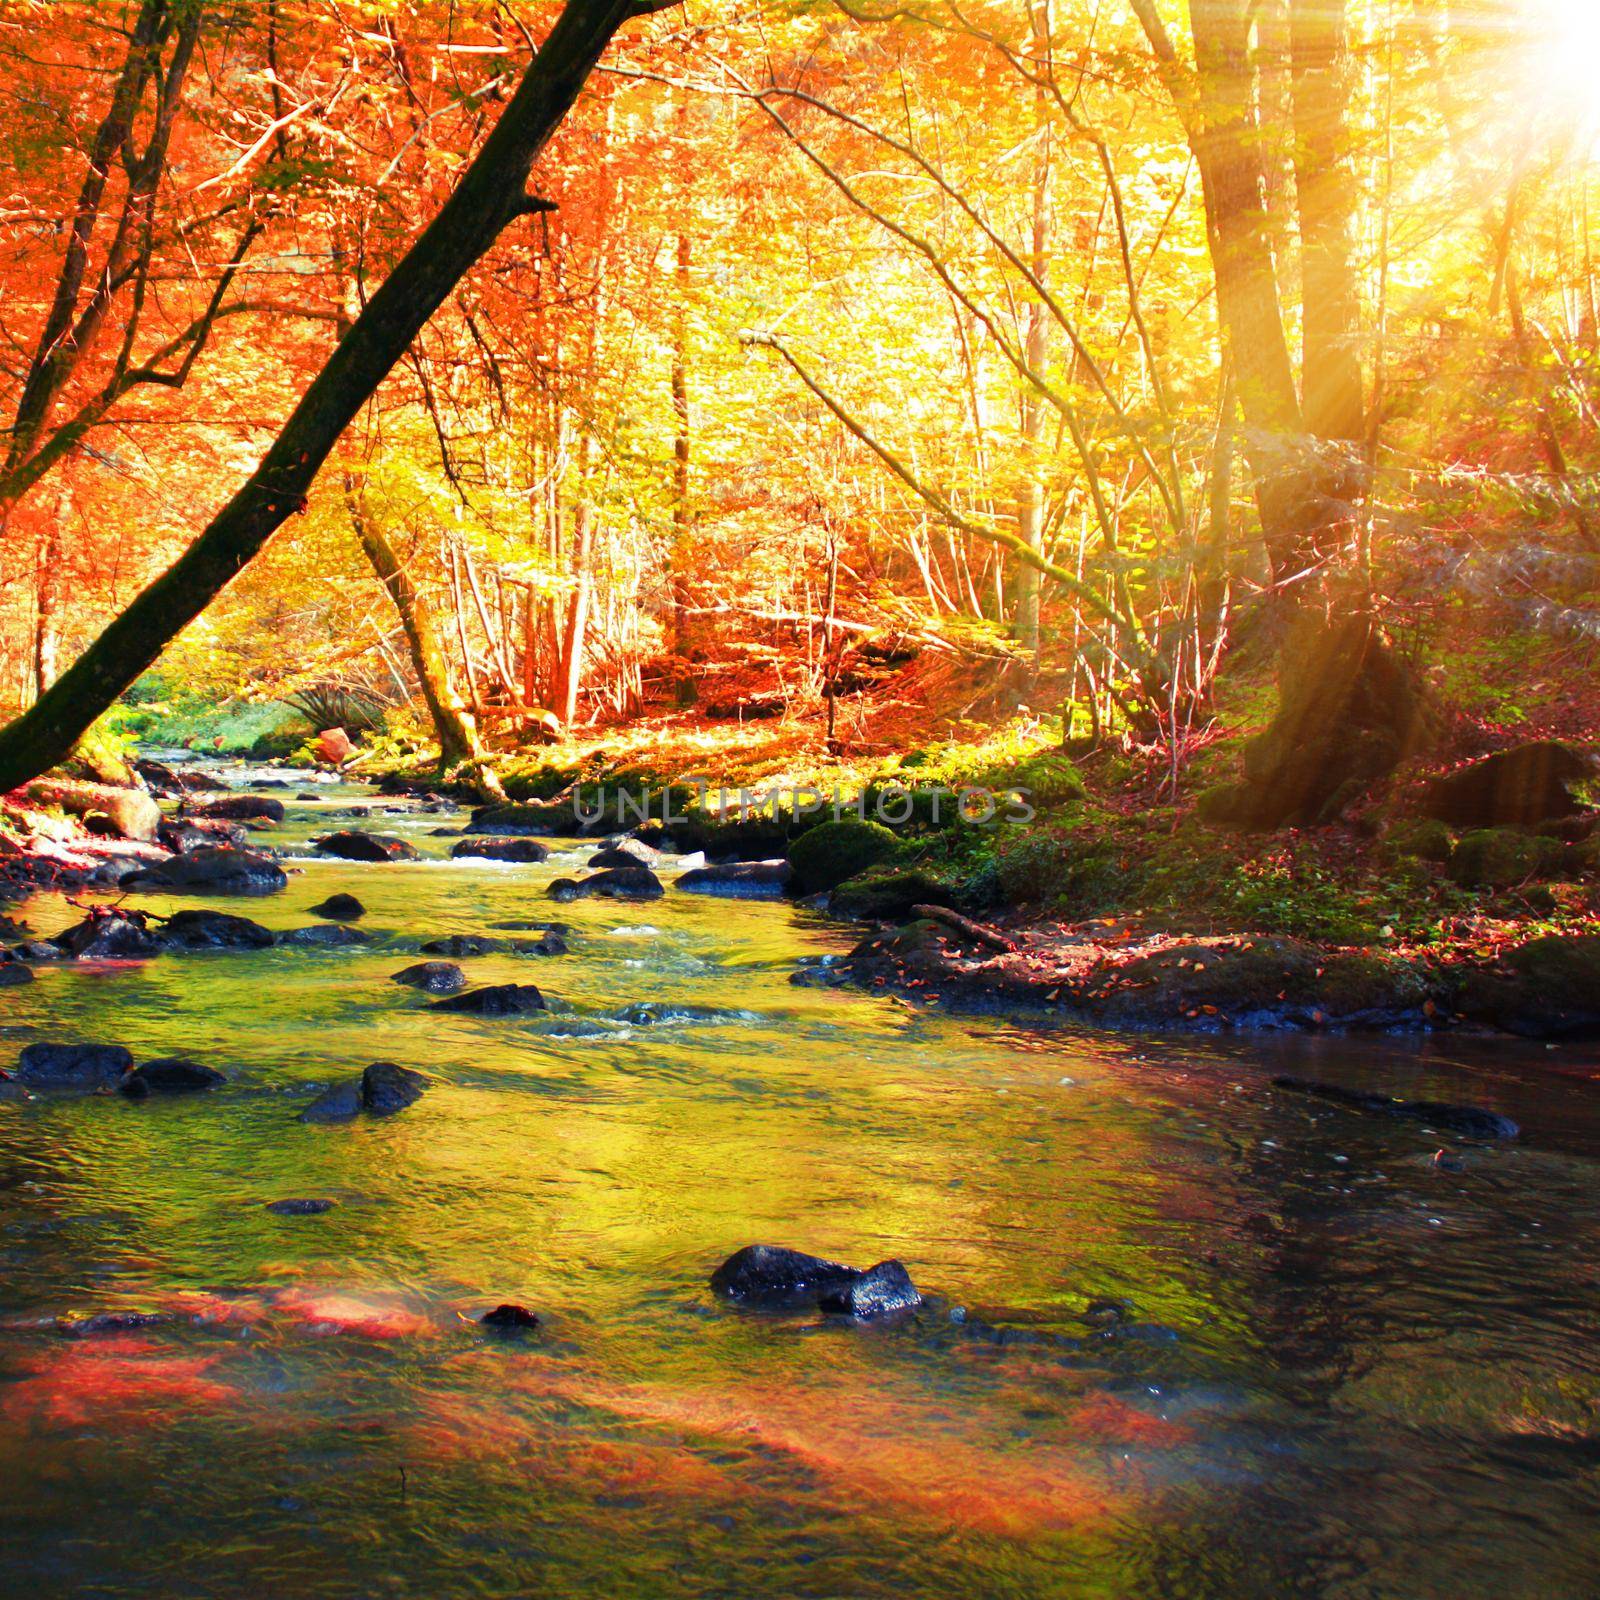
pixel 889 892
pixel 831 852
pixel 1419 839
pixel 1500 858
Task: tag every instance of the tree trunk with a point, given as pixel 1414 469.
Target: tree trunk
pixel 491 194
pixel 458 737
pixel 1325 186
pixel 684 643
pixel 1036 352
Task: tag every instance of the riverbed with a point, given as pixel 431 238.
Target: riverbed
pixel 1185 1336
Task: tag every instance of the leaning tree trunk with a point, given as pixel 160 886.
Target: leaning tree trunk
pixel 457 734
pixel 491 195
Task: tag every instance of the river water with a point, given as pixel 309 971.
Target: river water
pixel 1345 1369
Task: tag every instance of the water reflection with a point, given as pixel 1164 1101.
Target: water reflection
pixel 1349 1371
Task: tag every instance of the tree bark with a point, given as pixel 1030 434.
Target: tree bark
pixel 491 195
pixel 1036 352
pixel 458 736
pixel 1326 194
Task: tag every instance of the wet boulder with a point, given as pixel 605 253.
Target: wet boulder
pixel 509 1318
pixel 739 880
pixel 552 944
pixel 1472 1122
pixel 237 808
pixel 338 1103
pixel 499 1000
pixel 880 1291
pixel 613 883
pixel 387 1088
pixel 299 1208
pixel 764 1277
pixel 164 781
pixel 213 930
pixel 1528 784
pixel 73 1066
pixel 106 935
pixel 510 849
pixel 340 908
pixel 432 977
pixel 183 834
pixel 464 944
pixel 383 1089
pixel 353 845
pixel 211 870
pixel 169 1075
pixel 325 936
pixel 127 813
pixel 621 850
pixel 13 974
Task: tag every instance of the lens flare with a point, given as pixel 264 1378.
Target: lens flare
pixel 1561 53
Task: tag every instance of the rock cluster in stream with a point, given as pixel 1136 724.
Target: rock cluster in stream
pixel 766 1277
pixel 382 1089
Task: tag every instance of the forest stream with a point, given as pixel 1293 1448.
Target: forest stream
pixel 1183 1335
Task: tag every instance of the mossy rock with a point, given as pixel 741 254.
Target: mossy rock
pixel 888 894
pixel 1548 988
pixel 1419 839
pixel 1500 858
pixel 825 856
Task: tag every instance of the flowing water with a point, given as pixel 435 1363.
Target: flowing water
pixel 1348 1370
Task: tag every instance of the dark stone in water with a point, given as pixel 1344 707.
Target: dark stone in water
pixel 622 851
pixel 503 849
pixel 237 808
pixel 463 944
pixel 308 794
pixel 1473 1122
pixel 170 1075
pixel 353 845
pixel 552 944
pixel 509 1317
pixel 109 936
pixel 435 977
pixel 72 1066
pixel 769 1277
pixel 13 974
pixel 337 1104
pixel 183 834
pixel 880 1291
pixel 559 929
pixel 340 908
pixel 213 870
pixel 615 883
pixel 387 1088
pixel 213 930
pixel 382 1089
pixel 739 880
pixel 325 934
pixel 109 1322
pixel 500 1000
pixel 300 1208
